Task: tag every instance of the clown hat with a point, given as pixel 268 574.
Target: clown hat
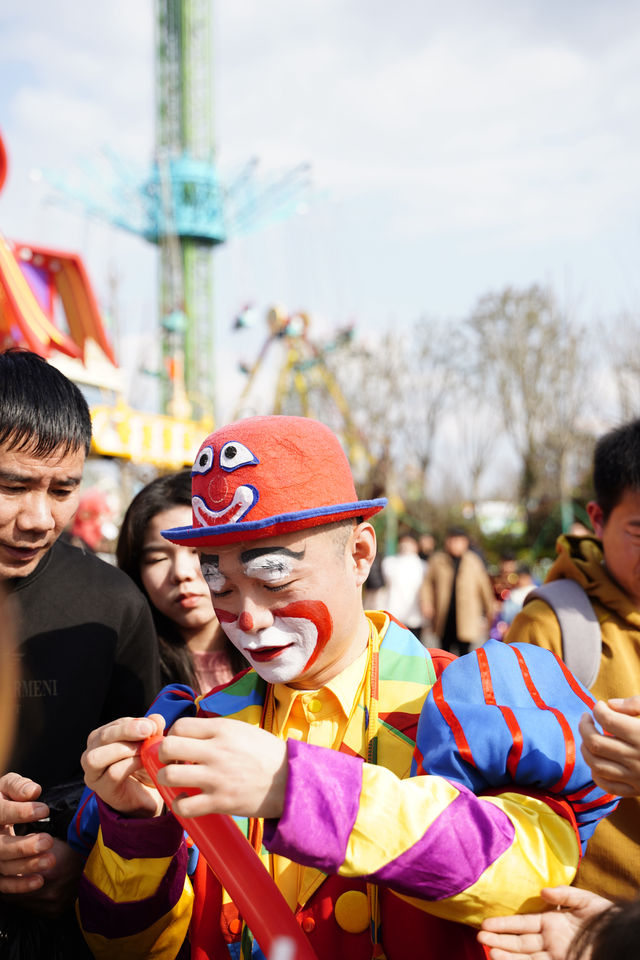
pixel 264 476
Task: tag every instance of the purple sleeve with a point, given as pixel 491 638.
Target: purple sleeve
pixel 448 838
pixel 132 838
pixel 319 811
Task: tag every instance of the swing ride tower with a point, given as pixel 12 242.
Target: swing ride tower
pixel 181 206
pixel 186 214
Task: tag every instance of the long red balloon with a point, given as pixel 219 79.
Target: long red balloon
pixel 236 865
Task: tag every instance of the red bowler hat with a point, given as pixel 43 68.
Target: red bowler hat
pixel 269 475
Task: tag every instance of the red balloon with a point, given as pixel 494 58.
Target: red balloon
pixel 236 865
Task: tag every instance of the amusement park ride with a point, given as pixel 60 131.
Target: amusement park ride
pixel 182 207
pixel 304 377
pixel 32 278
pixel 41 286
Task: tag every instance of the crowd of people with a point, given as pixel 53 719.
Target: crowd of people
pixel 446 597
pixel 428 779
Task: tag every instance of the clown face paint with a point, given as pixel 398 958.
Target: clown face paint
pixel 272 566
pixel 291 604
pixel 211 573
pixel 287 649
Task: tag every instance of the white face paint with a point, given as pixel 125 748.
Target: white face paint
pixel 212 575
pixel 288 645
pixel 269 567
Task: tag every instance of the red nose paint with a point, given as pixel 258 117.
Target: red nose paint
pixel 245 621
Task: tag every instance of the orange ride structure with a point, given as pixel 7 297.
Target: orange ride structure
pixel 39 288
pixel 34 280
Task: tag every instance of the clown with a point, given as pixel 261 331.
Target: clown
pixel 319 750
pixel 243 496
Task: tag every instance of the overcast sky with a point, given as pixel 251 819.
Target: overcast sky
pixel 455 148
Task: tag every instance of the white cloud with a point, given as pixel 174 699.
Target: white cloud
pixel 454 147
pixel 488 126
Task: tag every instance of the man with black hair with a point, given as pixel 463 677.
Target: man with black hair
pixel 607 567
pixel 87 650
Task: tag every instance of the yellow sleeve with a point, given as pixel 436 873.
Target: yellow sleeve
pixel 134 908
pixel 544 852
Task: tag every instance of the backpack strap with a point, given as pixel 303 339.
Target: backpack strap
pixel 579 627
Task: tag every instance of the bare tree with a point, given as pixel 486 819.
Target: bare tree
pixel 434 366
pixel 477 436
pixel 623 353
pixel 370 376
pixel 398 388
pixel 532 358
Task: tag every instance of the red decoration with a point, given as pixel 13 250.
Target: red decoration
pixel 236 865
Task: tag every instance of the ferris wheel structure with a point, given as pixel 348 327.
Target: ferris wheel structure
pixel 305 384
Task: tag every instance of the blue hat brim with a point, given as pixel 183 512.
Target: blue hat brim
pixel 272 526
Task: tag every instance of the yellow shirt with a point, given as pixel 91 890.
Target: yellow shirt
pixel 319 717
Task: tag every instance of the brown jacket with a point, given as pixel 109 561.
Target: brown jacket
pixel 474 595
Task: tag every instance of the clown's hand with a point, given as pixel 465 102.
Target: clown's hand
pixel 614 757
pixel 542 936
pixel 113 768
pixel 239 769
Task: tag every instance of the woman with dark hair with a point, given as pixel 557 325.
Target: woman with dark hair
pixel 193 648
